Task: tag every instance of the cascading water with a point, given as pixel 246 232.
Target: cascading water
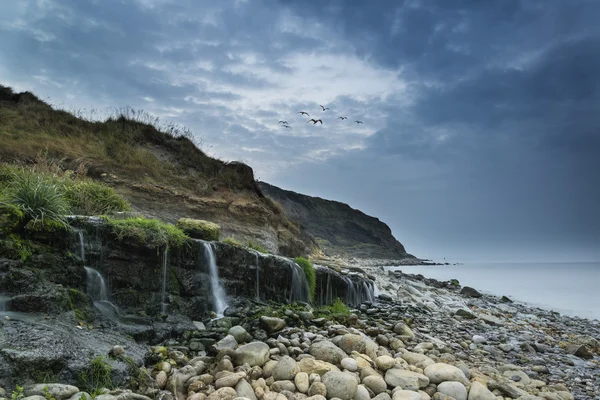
pixel 299 289
pixel 257 278
pixel 163 297
pixel 95 284
pixel 218 293
pixel 4 303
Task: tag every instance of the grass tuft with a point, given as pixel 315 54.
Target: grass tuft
pixel 152 232
pixel 256 246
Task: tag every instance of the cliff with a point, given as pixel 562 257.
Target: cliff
pixel 156 166
pixel 338 228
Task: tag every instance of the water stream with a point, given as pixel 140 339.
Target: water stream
pixel 165 259
pixel 4 303
pixel 218 293
pixel 299 285
pixel 257 278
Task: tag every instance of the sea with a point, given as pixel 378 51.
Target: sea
pixel 569 288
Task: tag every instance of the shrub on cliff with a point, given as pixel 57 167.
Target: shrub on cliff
pixel 152 232
pixel 199 229
pixel 88 197
pixel 309 272
pixel 39 198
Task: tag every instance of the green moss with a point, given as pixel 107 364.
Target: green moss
pixel 78 302
pixel 309 272
pixel 199 229
pixel 256 246
pixel 15 248
pixel 147 231
pixel 10 217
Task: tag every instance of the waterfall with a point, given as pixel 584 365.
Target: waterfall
pixel 4 303
pixel 299 289
pixel 95 285
pixel 257 278
pixel 219 297
pixel 165 259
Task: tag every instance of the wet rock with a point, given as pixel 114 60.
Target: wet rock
pixel 272 324
pixel 470 292
pixel 240 334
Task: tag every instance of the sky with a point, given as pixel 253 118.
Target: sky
pixel 481 119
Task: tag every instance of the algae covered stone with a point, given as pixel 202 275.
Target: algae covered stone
pixel 199 229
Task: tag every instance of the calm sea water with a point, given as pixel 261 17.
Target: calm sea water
pixel 569 288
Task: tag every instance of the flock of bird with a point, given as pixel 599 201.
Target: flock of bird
pixel 285 124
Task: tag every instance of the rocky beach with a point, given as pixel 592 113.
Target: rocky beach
pixel 419 339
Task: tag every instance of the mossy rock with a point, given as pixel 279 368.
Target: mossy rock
pixel 199 229
pixel 10 217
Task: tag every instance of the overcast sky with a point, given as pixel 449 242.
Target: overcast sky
pixel 481 133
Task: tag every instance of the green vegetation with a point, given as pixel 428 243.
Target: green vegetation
pixel 199 229
pixel 309 272
pixel 17 394
pixel 338 308
pixel 256 246
pixel 47 394
pixel 152 232
pixel 15 248
pixel 39 198
pixel 124 144
pixel 97 376
pixel 232 241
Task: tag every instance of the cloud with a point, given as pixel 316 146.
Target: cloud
pixel 480 118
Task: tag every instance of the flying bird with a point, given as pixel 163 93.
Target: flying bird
pixel 342 117
pixel 286 126
pixel 283 122
pixel 358 122
pixel 314 121
pixel 325 108
pixel 304 113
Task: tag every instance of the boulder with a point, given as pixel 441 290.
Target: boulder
pixel 253 354
pixel 480 392
pixel 341 385
pixel 408 380
pixel 240 334
pixel 327 351
pixel 351 342
pixel 302 382
pixel 441 372
pixel 56 390
pixel 272 324
pixel 376 383
pixel 199 229
pixel 313 366
pixel 580 351
pixel 469 292
pixel 453 389
pixel 286 369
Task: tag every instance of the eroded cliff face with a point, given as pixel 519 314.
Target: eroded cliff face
pixel 338 229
